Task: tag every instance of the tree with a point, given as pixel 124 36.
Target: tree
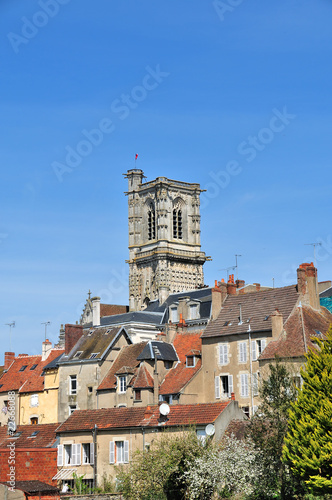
pixel 157 474
pixel 230 468
pixel 268 428
pixel 308 444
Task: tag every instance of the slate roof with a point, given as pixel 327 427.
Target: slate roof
pixel 326 293
pixel 143 317
pixel 45 437
pixel 166 351
pixel 30 379
pixel 256 306
pixel 127 357
pixel 178 377
pixel 32 486
pixel 94 341
pixel 292 343
pixel 197 294
pixel 126 418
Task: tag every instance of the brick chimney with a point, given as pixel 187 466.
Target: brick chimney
pixel 72 334
pixel 258 286
pixel 95 311
pixel 307 284
pixel 231 286
pixel 217 300
pixel 240 283
pixel 9 358
pixel 277 324
pixel 46 349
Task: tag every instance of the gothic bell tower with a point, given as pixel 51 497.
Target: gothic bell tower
pixel 164 238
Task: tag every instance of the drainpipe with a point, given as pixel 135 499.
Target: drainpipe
pixel 94 434
pixel 250 364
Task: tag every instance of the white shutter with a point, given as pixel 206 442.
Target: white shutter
pixel 225 360
pixel 126 452
pixel 244 385
pixel 254 350
pixel 220 349
pixel 217 387
pixel 263 343
pixel 60 455
pixel 91 453
pixel 243 352
pixel 112 453
pixel 76 450
pixel 255 383
pixel 230 385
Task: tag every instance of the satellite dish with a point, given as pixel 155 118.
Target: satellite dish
pixel 164 409
pixel 210 430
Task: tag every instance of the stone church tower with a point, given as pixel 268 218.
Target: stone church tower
pixel 164 238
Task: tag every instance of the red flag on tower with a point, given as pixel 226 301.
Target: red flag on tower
pixel 136 156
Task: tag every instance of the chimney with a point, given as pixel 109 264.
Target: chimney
pixel 217 300
pixel 258 286
pixel 240 283
pixel 9 358
pixel 307 284
pixel 170 332
pixel 95 311
pixel 232 396
pixel 72 334
pixel 231 286
pixel 46 349
pixel 277 324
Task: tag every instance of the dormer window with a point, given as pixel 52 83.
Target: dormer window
pixel 174 315
pixel 191 361
pixel 193 311
pixel 122 384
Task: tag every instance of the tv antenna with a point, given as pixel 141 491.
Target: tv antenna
pixel 11 325
pixel 46 323
pixel 314 245
pixel 227 269
pixel 236 256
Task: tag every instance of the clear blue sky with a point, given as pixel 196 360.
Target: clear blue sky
pixel 236 98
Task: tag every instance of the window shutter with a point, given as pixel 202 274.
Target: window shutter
pixel 217 387
pixel 126 452
pixel 255 383
pixel 60 455
pixel 112 453
pixel 220 354
pixel 76 454
pixel 225 348
pixel 246 392
pixel 244 352
pixel 263 343
pixel 253 350
pixel 230 385
pixel 91 453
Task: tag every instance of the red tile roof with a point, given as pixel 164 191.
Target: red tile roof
pixel 126 357
pixel 122 418
pixel 142 379
pixel 292 342
pixel 27 380
pixel 112 309
pixel 45 437
pixel 178 377
pixel 258 306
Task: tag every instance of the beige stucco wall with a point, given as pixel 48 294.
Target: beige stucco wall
pixel 14 408
pixel 46 411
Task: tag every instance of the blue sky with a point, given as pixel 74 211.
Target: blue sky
pixel 237 98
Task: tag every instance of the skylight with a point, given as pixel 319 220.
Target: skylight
pixel 77 355
pixel 22 368
pixel 94 355
pixel 33 367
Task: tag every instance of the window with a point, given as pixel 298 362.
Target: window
pixel 34 400
pixel 201 435
pixel 22 368
pixel 261 344
pixel 94 355
pixel 167 398
pixel 119 452
pixel 174 315
pixel 89 388
pixel 77 354
pixel 191 361
pixel 242 352
pixel 87 453
pixel 69 454
pixel 137 395
pixel 122 384
pixel 244 385
pixel 73 384
pixel 71 409
pixel 223 354
pixel 33 367
pixel 193 311
pixel 177 224
pixel 151 223
pixel 168 364
pixel 33 420
pixel 226 385
pixel 245 410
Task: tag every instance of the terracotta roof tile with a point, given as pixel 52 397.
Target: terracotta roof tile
pixel 125 418
pixel 45 437
pixel 180 375
pixel 292 342
pixel 35 381
pixel 112 309
pixel 142 379
pixel 126 357
pixel 258 306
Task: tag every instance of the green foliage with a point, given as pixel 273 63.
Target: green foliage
pixel 158 474
pixel 308 444
pixel 268 428
pixel 79 486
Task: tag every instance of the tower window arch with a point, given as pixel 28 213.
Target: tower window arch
pixel 151 223
pixel 177 223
